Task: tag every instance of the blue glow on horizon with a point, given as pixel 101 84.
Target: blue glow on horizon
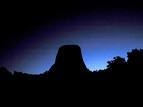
pixel 100 40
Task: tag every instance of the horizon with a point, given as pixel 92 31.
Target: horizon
pixel 31 35
pixel 39 72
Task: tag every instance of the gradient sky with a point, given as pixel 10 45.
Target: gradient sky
pixel 101 34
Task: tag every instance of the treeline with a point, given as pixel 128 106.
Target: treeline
pixel 117 69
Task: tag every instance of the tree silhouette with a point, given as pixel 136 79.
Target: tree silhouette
pixel 117 67
pixel 135 63
pixel 117 62
pixel 135 57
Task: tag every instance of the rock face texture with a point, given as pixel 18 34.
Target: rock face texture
pixel 69 62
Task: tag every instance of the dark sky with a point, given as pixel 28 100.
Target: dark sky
pixel 31 33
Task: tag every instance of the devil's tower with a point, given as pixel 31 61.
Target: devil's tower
pixel 69 62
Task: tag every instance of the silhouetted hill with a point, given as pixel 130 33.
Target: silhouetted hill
pixel 5 74
pixel 69 65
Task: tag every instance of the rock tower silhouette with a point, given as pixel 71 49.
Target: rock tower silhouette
pixel 69 62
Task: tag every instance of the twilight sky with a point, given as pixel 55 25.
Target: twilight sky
pixel 102 34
